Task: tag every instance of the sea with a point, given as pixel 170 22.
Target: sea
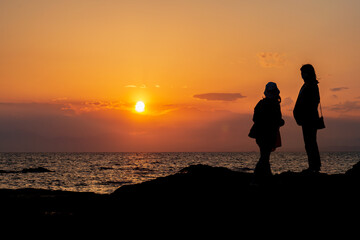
pixel 103 173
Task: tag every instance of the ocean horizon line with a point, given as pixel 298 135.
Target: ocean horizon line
pixel 255 151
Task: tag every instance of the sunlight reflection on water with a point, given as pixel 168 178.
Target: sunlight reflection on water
pixel 105 172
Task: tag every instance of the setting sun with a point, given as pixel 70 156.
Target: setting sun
pixel 140 106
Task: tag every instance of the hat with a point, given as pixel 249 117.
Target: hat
pixel 271 90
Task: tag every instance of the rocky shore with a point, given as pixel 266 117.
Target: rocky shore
pixel 199 191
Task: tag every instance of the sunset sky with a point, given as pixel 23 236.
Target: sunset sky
pixel 72 71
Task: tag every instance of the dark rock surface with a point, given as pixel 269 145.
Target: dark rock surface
pixel 28 170
pixel 354 171
pixel 199 193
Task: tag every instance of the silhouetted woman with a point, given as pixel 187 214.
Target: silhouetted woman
pixel 267 121
pixel 306 115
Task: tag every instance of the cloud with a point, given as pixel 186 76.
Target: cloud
pixel 60 99
pixel 219 96
pixel 45 127
pixel 345 106
pixel 287 102
pixel 78 107
pixel 140 86
pixel 271 59
pixel 338 89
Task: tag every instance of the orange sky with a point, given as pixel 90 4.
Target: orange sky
pixel 182 58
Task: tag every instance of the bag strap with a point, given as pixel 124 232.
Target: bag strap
pixel 320 105
pixel 321 110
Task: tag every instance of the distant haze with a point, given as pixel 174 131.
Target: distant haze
pixel 53 127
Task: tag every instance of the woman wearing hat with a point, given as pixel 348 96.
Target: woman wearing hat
pixel 267 121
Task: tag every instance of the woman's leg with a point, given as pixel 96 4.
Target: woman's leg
pixel 312 150
pixel 263 166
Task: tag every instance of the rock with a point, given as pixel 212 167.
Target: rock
pixel 35 170
pixel 198 193
pixel 105 168
pixel 190 182
pixel 354 171
pixel 28 170
pixel 221 189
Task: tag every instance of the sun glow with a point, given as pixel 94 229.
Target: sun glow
pixel 140 107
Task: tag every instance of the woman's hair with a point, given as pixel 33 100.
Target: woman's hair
pixel 310 73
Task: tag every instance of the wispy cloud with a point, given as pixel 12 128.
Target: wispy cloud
pixel 337 89
pixel 140 86
pixel 287 102
pixel 271 59
pixel 92 106
pixel 345 106
pixel 44 127
pixel 219 96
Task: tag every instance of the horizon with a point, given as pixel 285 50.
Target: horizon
pixel 277 151
pixel 71 73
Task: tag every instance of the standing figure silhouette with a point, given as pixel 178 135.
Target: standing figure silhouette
pixel 267 121
pixel 306 115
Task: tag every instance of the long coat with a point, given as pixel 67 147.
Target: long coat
pixel 267 121
pixel 306 106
